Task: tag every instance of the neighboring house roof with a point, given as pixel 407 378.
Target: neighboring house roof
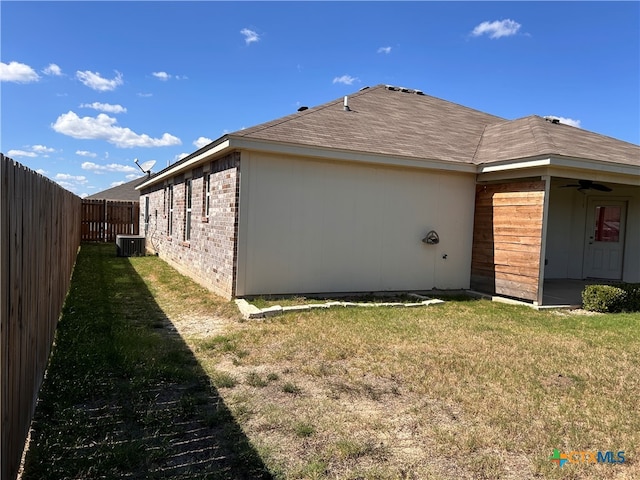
pixel 126 192
pixel 391 123
pixel 535 136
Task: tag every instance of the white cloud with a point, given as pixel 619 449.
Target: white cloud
pixel 145 95
pixel 181 77
pixel 164 76
pixel 67 185
pixel 41 171
pixel 117 184
pixel 95 81
pixel 103 127
pixel 17 72
pixel 384 50
pixel 83 195
pixel 105 107
pixel 53 69
pixel 180 157
pixel 32 152
pixel 249 36
pixel 133 176
pixel 566 121
pixel 202 141
pixel 42 149
pixel 65 177
pixel 85 153
pixel 112 167
pixel 497 29
pixel 346 79
pixel 20 153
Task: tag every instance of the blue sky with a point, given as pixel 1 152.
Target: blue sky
pixel 87 87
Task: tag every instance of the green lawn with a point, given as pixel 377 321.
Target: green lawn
pixel 464 390
pixel 124 397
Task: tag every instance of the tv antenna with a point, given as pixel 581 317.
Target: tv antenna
pixel 146 166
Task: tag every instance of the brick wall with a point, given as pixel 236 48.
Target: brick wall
pixel 209 255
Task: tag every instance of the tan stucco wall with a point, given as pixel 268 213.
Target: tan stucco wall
pixel 310 226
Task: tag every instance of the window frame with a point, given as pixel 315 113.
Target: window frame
pixel 188 203
pixel 207 193
pixel 170 216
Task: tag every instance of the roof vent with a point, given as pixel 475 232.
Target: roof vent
pixel 363 88
pixel 346 104
pixel 303 108
pixel 553 120
pixel 403 89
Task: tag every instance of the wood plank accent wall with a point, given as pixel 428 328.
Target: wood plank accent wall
pixel 103 220
pixel 39 240
pixel 507 238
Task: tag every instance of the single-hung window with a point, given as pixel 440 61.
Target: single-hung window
pixel 170 222
pixel 207 202
pixel 187 206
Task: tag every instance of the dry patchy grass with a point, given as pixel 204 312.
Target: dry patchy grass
pixel 468 389
pixel 463 390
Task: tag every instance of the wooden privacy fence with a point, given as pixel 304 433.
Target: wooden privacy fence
pixel 102 220
pixel 39 240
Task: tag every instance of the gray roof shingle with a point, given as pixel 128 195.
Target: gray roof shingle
pixel 384 121
pixel 534 136
pixel 399 122
pixel 126 191
pixel 395 122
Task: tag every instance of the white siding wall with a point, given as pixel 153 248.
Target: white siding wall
pixel 566 231
pixel 309 226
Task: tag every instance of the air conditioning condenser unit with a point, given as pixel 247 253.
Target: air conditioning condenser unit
pixel 130 245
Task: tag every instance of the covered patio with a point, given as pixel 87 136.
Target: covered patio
pixel 542 239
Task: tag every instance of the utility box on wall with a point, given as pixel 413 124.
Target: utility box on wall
pixel 130 245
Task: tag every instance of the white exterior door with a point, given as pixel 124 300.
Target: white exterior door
pixel 604 247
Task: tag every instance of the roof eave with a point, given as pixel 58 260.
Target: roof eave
pixel 329 153
pixel 206 153
pixel 558 166
pixel 560 162
pixel 232 142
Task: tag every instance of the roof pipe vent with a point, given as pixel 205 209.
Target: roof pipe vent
pixel 346 104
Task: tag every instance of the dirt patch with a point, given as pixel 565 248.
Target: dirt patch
pixel 198 325
pixel 575 311
pixel 558 380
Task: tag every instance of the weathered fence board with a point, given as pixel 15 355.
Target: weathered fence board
pixel 39 240
pixel 103 220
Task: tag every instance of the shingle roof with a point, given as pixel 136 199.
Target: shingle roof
pixel 384 121
pixel 126 191
pixel 534 136
pixel 397 122
pixel 401 122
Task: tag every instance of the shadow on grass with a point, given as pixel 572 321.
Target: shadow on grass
pixel 123 396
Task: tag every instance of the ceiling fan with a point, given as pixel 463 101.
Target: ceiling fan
pixel 583 185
